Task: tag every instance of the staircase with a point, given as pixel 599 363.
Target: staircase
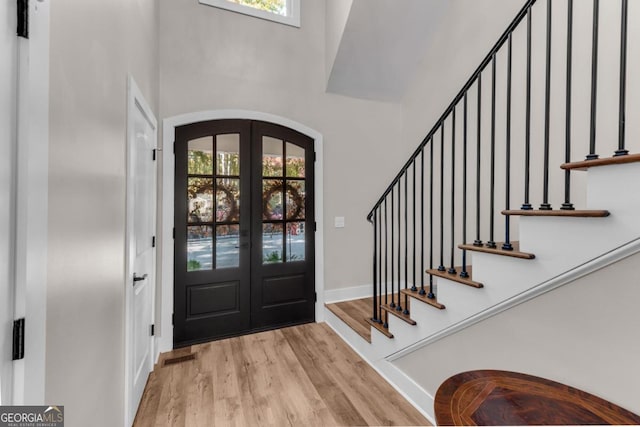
pixel 500 167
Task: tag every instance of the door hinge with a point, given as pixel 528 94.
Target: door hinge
pixel 173 318
pixel 153 330
pixel 155 150
pixel 23 19
pixel 314 156
pixel 315 226
pixel 315 297
pixel 153 242
pixel 174 232
pixel 18 339
pixel 174 147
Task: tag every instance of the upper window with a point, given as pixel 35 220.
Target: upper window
pixel 283 11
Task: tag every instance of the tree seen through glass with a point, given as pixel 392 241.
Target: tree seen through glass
pixel 274 6
pixel 220 202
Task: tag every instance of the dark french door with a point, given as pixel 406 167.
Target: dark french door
pixel 244 229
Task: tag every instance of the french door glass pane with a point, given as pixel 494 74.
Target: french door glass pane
pixel 295 200
pixel 295 161
pixel 295 241
pixel 271 156
pixel 227 246
pixel 199 248
pixel 200 198
pixel 227 199
pixel 200 156
pixel 228 154
pixel 272 243
pixel 272 205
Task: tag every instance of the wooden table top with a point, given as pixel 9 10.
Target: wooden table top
pixel 488 397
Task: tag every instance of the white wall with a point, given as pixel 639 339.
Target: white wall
pixel 337 13
pixel 582 334
pixel 381 46
pixel 94 45
pixel 461 38
pixel 215 59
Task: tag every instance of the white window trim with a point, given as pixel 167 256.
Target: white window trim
pixel 293 10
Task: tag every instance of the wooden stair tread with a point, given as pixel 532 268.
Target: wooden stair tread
pixel 432 302
pixel 574 213
pixel 515 253
pixel 345 313
pixel 605 161
pixel 379 327
pixel 398 314
pixel 456 277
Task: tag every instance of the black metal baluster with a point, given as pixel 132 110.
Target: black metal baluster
pixel 399 306
pixel 414 287
pixel 452 268
pixel 386 259
pixel 491 243
pixel 507 246
pixel 393 245
pixel 567 205
pixel 441 266
pixel 464 273
pixel 422 272
pixel 621 151
pixel 431 294
pixel 527 150
pixel 375 267
pixel 545 206
pixel 478 242
pixel 594 81
pixel 380 263
pixel 406 241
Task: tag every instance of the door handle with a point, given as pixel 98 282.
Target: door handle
pixel 137 278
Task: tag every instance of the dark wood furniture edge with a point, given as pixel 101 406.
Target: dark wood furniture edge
pixel 443 405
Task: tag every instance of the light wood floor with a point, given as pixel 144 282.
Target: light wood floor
pixel 299 376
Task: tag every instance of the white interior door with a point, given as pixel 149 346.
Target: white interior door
pixel 141 226
pixel 8 123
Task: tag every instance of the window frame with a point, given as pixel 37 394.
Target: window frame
pixel 292 18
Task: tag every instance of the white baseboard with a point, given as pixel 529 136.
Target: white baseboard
pixel 346 294
pixel 409 389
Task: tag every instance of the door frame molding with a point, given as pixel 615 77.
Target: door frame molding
pixel 135 99
pixel 32 190
pixel 165 275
